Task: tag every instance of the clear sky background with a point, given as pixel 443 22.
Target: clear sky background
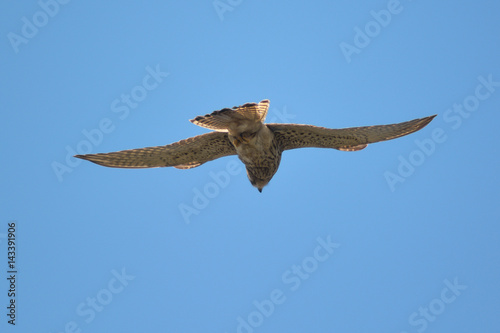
pixel 403 236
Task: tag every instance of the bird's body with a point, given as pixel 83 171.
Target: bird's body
pixel 260 154
pixel 241 131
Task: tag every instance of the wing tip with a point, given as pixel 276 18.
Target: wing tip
pixel 425 121
pixel 92 158
pixel 89 157
pixel 86 157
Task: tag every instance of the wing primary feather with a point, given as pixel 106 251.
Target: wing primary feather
pixel 292 136
pixel 184 154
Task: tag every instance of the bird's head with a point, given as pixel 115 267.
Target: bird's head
pixel 257 182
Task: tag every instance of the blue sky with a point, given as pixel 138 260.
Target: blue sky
pixel 403 236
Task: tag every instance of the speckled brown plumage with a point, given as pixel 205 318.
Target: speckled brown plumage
pixel 184 154
pixel 241 131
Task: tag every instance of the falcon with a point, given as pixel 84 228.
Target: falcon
pixel 241 131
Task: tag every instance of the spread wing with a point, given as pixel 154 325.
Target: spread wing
pixel 184 154
pixel 291 136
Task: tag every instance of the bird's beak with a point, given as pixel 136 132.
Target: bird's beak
pixel 260 190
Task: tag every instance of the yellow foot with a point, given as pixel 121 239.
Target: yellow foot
pixel 235 142
pixel 246 137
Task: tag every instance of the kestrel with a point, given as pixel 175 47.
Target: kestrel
pixel 241 131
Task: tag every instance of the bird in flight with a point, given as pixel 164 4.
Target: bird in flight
pixel 241 131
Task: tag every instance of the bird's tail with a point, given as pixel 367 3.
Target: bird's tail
pixel 226 119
